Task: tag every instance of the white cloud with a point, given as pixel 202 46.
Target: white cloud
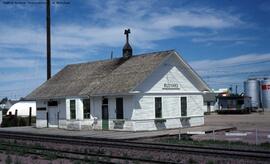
pixel 192 19
pixel 212 39
pixel 233 61
pixel 26 37
pixel 17 63
pixel 106 24
pixel 152 15
pixel 234 70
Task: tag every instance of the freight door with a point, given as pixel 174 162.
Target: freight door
pixel 105 114
pixel 53 116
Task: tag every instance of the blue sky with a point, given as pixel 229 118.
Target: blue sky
pixel 224 41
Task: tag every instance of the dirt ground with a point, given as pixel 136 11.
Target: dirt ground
pixel 261 121
pixel 252 128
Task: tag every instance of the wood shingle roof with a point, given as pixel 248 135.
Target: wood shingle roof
pixel 115 76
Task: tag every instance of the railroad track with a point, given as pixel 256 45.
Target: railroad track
pixel 75 155
pixel 112 143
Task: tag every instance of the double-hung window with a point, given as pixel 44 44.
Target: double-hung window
pixel 158 107
pixel 72 109
pixel 86 108
pixel 119 108
pixel 183 106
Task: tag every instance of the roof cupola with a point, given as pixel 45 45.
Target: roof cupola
pixel 127 50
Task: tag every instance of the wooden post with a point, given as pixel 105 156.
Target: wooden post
pixel 47 115
pixel 30 115
pixel 16 118
pixel 214 135
pixel 179 135
pixel 48 25
pixel 256 136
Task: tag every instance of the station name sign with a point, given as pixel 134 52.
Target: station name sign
pixel 170 86
pixel 266 87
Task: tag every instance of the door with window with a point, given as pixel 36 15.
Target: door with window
pixel 105 114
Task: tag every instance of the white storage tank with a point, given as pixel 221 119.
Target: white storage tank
pixel 265 89
pixel 252 89
pixel 23 108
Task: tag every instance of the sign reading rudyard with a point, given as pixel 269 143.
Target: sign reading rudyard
pixel 266 87
pixel 174 86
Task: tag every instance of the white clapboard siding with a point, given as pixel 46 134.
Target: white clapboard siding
pixel 96 108
pixel 167 73
pixel 144 108
pixel 195 105
pixel 62 109
pixel 112 107
pixel 41 118
pixel 79 109
pixel 170 107
pixel 128 107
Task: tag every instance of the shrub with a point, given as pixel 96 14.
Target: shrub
pixel 9 121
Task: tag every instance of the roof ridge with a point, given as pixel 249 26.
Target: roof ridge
pixel 154 52
pixel 136 55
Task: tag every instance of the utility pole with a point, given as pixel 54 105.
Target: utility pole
pixel 48 23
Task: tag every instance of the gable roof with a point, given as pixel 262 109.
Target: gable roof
pixel 107 77
pixel 99 77
pixel 192 75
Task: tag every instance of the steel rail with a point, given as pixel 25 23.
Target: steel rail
pixel 70 154
pixel 112 143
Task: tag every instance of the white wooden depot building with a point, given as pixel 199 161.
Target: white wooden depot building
pixel 150 91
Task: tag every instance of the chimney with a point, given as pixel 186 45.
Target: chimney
pixel 127 50
pixel 48 25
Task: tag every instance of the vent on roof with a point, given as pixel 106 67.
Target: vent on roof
pixel 127 50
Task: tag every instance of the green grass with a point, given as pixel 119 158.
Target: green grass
pixel 265 145
pixel 192 161
pixel 8 159
pixel 9 147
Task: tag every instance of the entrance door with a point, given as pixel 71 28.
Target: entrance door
pixel 53 116
pixel 105 117
pixel 105 114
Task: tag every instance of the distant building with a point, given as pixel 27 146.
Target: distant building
pixel 23 108
pixel 233 103
pixel 210 102
pixel 6 104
